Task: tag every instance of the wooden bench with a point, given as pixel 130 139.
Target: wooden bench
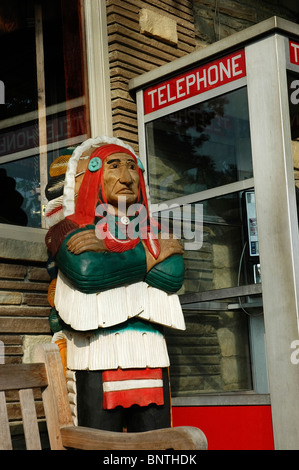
pixel 47 374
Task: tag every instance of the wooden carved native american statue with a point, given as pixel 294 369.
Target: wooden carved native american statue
pixel 113 288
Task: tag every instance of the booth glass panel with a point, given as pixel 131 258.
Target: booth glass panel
pixel 200 147
pixel 216 241
pixel 212 355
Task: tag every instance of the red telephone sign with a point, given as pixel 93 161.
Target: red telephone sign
pixel 194 82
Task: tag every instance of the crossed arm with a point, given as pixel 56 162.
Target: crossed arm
pixel 90 267
pixel 88 241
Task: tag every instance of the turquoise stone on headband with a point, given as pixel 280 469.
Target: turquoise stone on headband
pixel 139 162
pixel 95 164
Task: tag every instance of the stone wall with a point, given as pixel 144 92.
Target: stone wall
pixel 24 311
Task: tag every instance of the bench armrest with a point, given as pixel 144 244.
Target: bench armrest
pixel 178 438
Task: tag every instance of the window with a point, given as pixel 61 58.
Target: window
pixel 46 107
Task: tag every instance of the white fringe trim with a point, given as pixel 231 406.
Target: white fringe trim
pixel 85 312
pixel 106 350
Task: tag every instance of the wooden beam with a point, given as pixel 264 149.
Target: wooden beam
pixel 218 294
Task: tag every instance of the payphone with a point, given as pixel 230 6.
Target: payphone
pixel 251 257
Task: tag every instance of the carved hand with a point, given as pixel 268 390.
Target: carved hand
pixel 85 241
pixel 169 247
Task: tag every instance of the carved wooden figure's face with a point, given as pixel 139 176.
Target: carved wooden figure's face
pixel 120 179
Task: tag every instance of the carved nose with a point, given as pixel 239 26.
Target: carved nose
pixel 125 176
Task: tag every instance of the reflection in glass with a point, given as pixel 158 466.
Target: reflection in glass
pixel 216 264
pixel 200 147
pixel 293 90
pixel 211 356
pixel 46 79
pixel 20 192
pixel 221 253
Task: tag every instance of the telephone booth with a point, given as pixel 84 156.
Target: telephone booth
pixel 218 134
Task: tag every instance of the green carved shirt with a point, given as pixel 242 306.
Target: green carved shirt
pixel 92 272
